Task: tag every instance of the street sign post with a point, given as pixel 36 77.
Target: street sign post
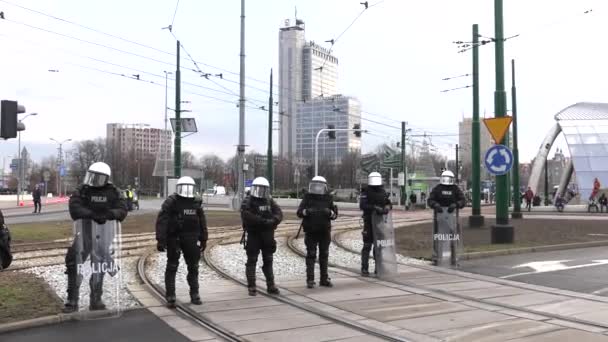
pixel 498 127
pixel 498 160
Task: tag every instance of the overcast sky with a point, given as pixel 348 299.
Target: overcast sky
pixel 393 59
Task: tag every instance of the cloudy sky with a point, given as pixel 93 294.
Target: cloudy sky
pixel 393 58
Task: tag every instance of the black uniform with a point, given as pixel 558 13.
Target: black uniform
pixel 374 199
pixel 446 196
pixel 90 203
pixel 37 203
pixel 449 196
pixel 320 210
pixel 181 223
pixel 260 217
pixel 6 257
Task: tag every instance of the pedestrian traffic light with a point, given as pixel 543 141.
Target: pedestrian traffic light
pixel 331 134
pixel 8 119
pixel 357 133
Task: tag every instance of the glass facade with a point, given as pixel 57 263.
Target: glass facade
pixel 588 144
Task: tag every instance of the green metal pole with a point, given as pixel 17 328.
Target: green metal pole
pixel 177 163
pixel 516 192
pixel 404 187
pixel 269 161
pixel 502 232
pixel 476 219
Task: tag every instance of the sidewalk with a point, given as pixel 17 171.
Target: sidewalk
pixel 132 326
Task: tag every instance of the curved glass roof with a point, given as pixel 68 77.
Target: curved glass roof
pixel 585 127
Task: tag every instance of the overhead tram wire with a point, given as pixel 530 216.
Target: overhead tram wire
pixel 139 44
pixel 136 43
pixel 122 38
pixel 114 64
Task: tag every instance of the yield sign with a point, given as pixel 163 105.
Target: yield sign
pixel 498 127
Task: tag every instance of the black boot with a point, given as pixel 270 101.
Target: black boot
pixel 310 273
pixel 170 298
pixel 195 299
pixel 250 273
pixel 96 283
pixel 365 260
pixel 325 281
pixel 71 305
pixel 270 286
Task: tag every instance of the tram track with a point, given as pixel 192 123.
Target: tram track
pixel 429 289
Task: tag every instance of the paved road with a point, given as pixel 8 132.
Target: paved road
pixel 582 270
pixel 132 326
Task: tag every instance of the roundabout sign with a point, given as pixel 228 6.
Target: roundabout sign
pixel 498 160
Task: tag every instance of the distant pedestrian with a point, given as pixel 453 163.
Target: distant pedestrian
pixel 37 194
pixel 529 195
pixel 413 200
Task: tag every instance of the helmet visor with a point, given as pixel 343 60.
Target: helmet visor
pixel 317 188
pixel 260 191
pixel 447 180
pixel 95 179
pixel 185 190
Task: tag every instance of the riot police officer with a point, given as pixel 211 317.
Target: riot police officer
pixel 180 225
pixel 261 216
pixel 317 209
pixel 445 195
pixel 97 199
pixel 373 200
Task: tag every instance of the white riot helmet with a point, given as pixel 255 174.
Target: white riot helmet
pixel 374 179
pixel 260 188
pixel 318 186
pixel 97 175
pixel 447 178
pixel 185 187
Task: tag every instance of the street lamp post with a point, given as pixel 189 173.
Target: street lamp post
pixel 165 149
pixel 59 163
pixel 329 130
pixel 20 167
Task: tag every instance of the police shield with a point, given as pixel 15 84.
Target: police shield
pixel 95 257
pixel 384 245
pixel 446 238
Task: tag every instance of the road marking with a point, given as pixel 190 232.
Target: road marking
pixel 551 266
pixel 605 289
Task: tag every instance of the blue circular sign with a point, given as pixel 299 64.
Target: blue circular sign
pixel 498 160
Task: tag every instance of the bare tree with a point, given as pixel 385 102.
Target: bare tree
pixel 213 167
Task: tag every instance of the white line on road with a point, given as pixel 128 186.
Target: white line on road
pixel 605 289
pixel 594 263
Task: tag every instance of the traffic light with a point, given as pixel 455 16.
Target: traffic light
pixel 357 133
pixel 331 134
pixel 8 119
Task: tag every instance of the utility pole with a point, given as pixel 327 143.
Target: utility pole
pixel 403 168
pixel 476 219
pixel 164 148
pixel 269 161
pixel 502 231
pixel 241 146
pixel 516 214
pixel 457 167
pixel 177 164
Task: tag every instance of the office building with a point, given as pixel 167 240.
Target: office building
pixel 342 112
pixel 129 138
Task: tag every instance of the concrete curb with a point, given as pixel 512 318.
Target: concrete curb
pixel 545 248
pixel 52 319
pixel 41 213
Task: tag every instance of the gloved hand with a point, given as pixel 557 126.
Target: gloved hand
pixel 110 216
pixel 385 211
pixel 203 245
pixel 160 246
pixel 327 211
pixel 305 212
pixel 451 208
pixel 99 218
pixel 269 222
pixel 379 210
pixel 438 210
